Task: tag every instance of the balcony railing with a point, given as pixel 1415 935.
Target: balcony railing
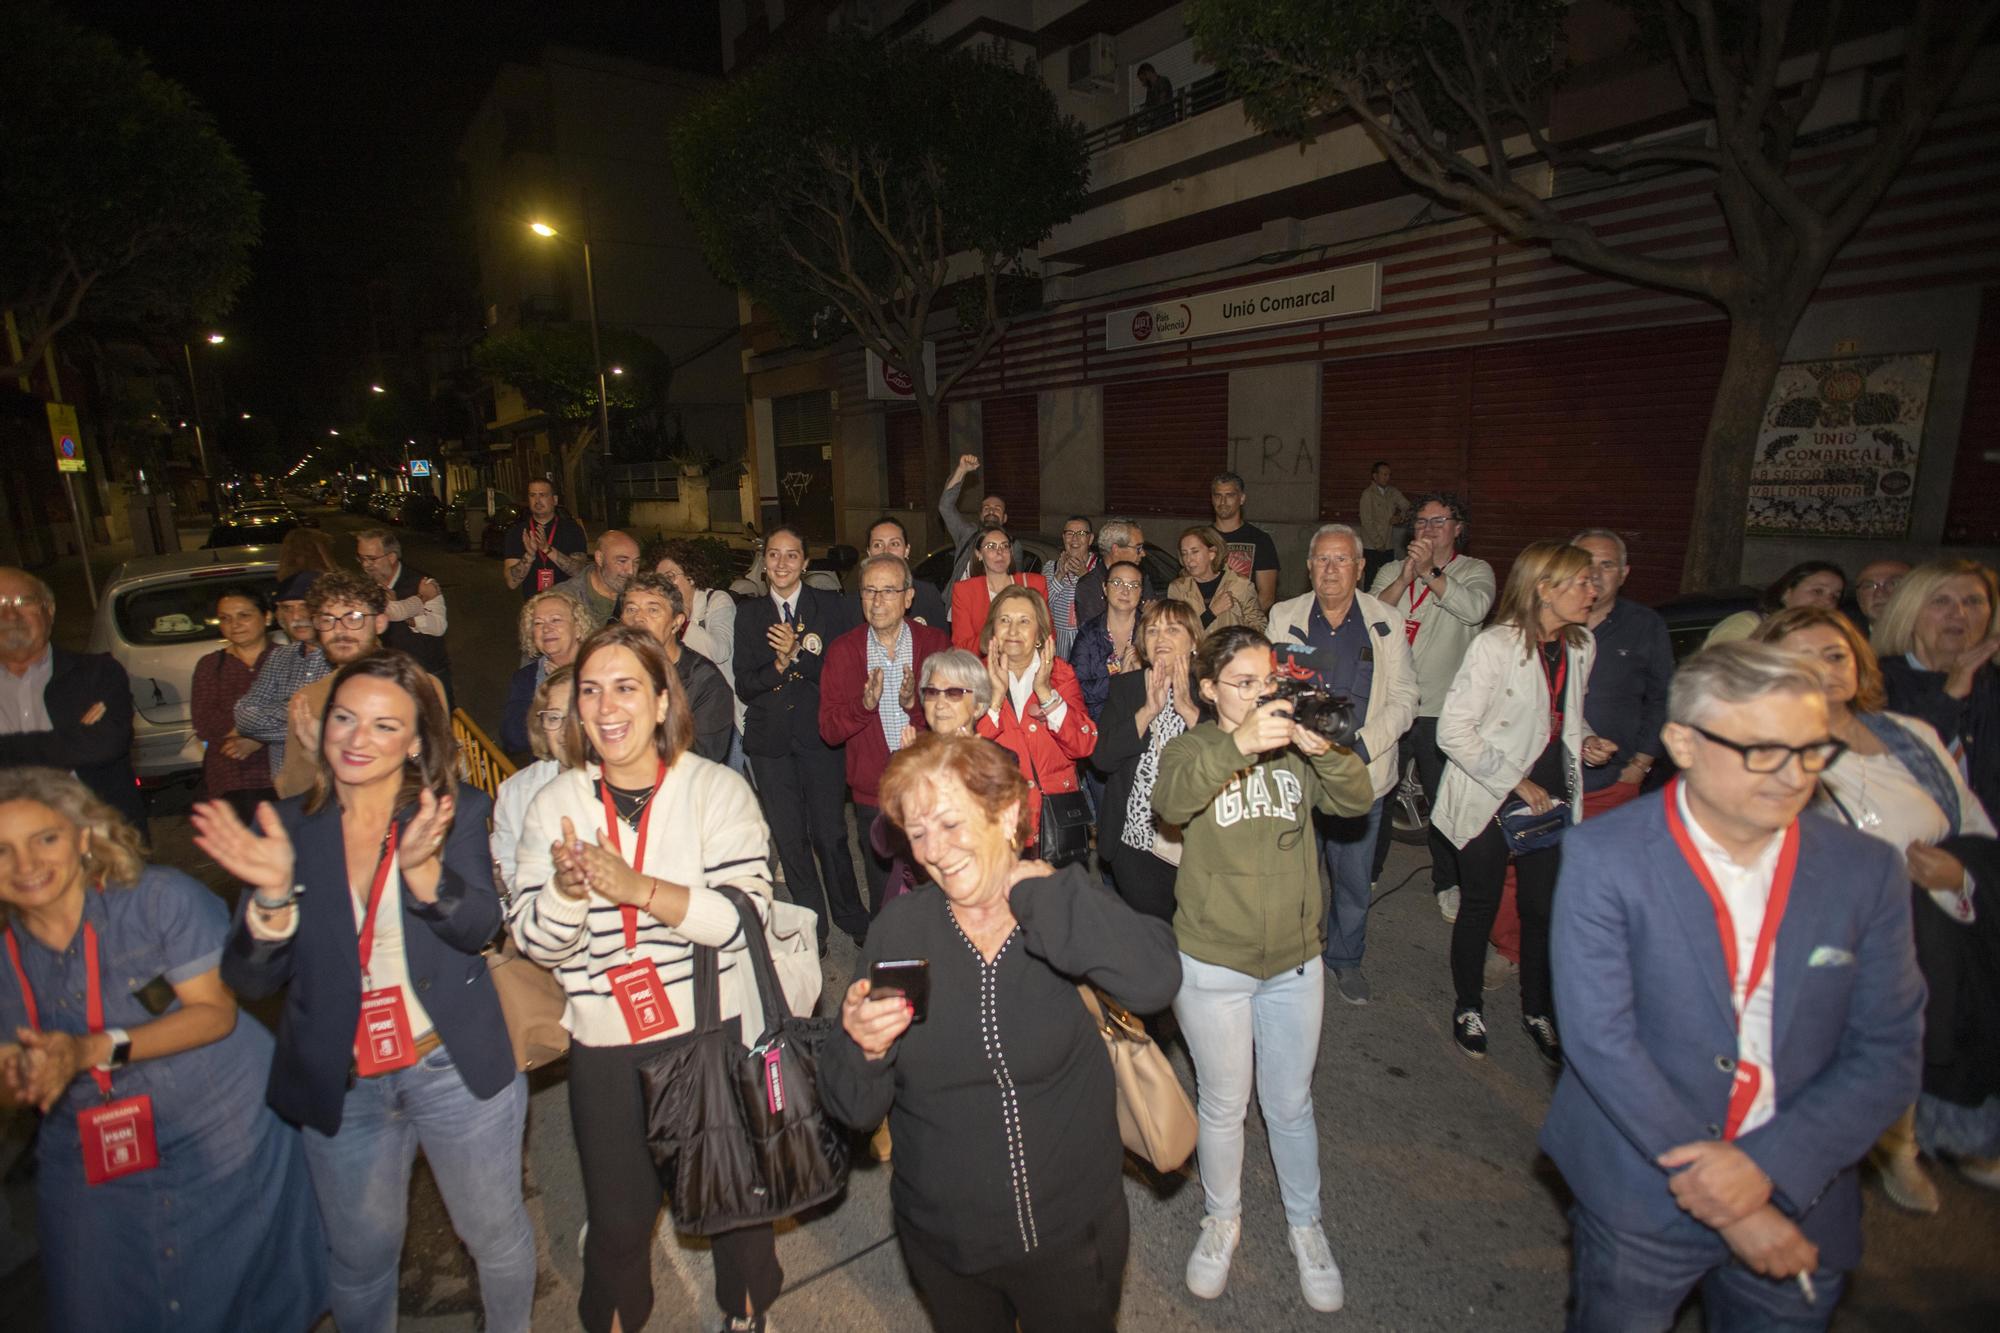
pixel 1199 96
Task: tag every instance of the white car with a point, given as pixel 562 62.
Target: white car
pixel 157 617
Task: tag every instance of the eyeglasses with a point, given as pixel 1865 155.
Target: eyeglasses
pixel 995 546
pixel 551 719
pixel 21 603
pixel 1249 687
pixel 351 619
pixel 1765 757
pixel 951 692
pixel 1877 585
pixel 885 592
pixel 1437 522
pixel 1127 584
pixel 1080 534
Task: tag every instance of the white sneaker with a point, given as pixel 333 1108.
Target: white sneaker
pixel 1448 904
pixel 1319 1275
pixel 1208 1266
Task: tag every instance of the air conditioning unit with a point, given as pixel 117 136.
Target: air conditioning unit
pixel 1093 64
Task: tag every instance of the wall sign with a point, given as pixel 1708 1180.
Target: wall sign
pixel 1333 293
pixel 1837 449
pixel 889 383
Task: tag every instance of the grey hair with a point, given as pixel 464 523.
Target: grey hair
pixel 1736 673
pixel 1115 532
pixel 1604 534
pixel 1336 530
pixel 391 543
pixel 956 666
pixel 901 566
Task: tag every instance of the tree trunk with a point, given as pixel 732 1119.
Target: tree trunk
pixel 936 466
pixel 1722 488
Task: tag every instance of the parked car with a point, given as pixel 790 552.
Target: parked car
pixel 258 524
pixel 355 501
pixel 157 618
pixel 498 510
pixel 421 511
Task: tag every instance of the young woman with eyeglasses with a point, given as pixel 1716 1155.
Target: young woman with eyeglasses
pixel 1107 645
pixel 971 597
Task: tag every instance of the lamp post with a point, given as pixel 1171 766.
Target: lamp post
pixel 548 232
pixel 200 444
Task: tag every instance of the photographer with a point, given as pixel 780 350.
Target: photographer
pixel 1244 785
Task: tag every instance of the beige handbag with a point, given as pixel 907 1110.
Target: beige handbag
pixel 1156 1121
pixel 532 1002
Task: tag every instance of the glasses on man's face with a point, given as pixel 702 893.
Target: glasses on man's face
pixel 1877 585
pixel 551 719
pixel 1437 522
pixel 931 693
pixel 874 593
pixel 1126 585
pixel 1765 757
pixel 351 619
pixel 20 604
pixel 1250 687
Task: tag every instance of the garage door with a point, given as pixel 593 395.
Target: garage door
pixel 1163 440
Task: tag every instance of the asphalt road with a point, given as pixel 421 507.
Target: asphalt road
pixel 1439 1208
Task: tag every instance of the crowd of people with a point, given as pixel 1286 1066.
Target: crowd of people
pixel 1058 776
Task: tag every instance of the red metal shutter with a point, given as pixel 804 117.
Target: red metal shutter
pixel 903 440
pixel 1973 516
pixel 1011 435
pixel 1163 440
pixel 1407 411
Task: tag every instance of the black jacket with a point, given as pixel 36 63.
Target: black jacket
pixel 319 968
pixel 1972 722
pixel 708 700
pixel 428 649
pixel 100 754
pixel 783 709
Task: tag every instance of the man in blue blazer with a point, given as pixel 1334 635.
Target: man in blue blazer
pixel 1741 1015
pixel 781 641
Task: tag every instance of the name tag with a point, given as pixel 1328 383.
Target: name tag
pixel 643 1000
pixel 544 579
pixel 382 1041
pixel 1410 628
pixel 117 1139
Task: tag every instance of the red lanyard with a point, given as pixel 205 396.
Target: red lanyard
pixel 375 901
pixel 1417 598
pixel 629 913
pixel 536 532
pixel 93 993
pixel 1725 924
pixel 1555 683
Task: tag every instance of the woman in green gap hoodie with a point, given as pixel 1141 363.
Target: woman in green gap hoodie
pixel 1245 783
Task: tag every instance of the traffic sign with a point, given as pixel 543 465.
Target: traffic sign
pixel 420 467
pixel 66 437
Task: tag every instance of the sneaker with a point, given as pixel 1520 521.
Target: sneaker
pixel 1319 1275
pixel 1543 1032
pixel 1448 904
pixel 1208 1266
pixel 1468 1029
pixel 1982 1171
pixel 743 1323
pixel 1906 1183
pixel 1499 969
pixel 1353 987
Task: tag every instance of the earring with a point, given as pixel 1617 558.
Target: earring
pixel 417 753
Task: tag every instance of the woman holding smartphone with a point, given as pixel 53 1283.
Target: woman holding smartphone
pixel 618 867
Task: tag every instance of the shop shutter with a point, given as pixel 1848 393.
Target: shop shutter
pixel 1011 448
pixel 903 441
pixel 1163 440
pixel 1408 411
pixel 1973 515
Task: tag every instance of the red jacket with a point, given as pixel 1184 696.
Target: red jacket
pixel 970 602
pixel 842 719
pixel 1049 756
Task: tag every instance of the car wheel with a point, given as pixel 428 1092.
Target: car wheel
pixel 1409 809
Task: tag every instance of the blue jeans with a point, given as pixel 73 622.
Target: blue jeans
pixel 362 1177
pixel 1235 1024
pixel 1347 846
pixel 1622 1282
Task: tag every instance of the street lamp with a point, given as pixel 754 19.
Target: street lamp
pixel 548 232
pixel 376 388
pixel 201 444
pixel 216 339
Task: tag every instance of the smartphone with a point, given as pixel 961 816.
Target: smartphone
pixel 907 977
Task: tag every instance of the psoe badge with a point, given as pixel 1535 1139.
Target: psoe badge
pixel 813 643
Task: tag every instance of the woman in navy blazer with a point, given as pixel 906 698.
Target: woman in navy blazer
pixel 372 897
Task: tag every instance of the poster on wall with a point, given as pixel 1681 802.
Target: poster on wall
pixel 1837 449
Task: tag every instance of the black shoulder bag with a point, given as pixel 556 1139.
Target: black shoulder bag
pixel 738 1135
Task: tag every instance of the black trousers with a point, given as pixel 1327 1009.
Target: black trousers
pixel 1482 866
pixel 1145 882
pixel 875 869
pixel 1421 742
pixel 1056 1289
pixel 1372 560
pixel 805 802
pixel 621 1199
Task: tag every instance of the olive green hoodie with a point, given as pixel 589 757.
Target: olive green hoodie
pixel 1248 889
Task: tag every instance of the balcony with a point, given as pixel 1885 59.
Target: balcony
pixel 1202 95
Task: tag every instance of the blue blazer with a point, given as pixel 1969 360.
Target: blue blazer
pixel 1649 1031
pixel 321 965
pixel 781 709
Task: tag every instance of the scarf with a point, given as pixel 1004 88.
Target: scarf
pixel 1139 827
pixel 889 707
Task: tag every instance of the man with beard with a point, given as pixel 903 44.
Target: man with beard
pixel 264 712
pixel 602 581
pixel 545 546
pixel 350 614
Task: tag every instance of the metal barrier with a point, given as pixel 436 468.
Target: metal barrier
pixel 480 761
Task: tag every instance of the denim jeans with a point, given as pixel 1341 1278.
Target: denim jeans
pixel 1622 1282
pixel 1347 846
pixel 362 1178
pixel 1234 1023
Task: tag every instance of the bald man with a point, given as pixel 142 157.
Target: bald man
pixel 613 563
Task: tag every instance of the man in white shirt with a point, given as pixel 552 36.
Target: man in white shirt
pixel 417 619
pixel 1741 1013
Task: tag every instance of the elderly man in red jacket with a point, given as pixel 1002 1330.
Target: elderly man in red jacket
pixel 868 692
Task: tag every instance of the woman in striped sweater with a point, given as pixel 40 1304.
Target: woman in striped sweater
pixel 618 860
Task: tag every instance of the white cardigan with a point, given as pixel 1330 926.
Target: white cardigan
pixel 1392 702
pixel 706 830
pixel 1495 724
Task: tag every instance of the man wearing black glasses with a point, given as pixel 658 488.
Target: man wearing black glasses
pixel 1742 1016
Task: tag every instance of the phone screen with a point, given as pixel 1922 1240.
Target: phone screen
pixel 908 977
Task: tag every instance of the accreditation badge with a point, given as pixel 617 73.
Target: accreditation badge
pixel 1410 627
pixel 814 643
pixel 382 1041
pixel 117 1139
pixel 643 1001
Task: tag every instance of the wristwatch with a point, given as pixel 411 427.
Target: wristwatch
pixel 1437 571
pixel 121 1049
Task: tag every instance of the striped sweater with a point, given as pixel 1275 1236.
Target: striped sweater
pixel 706 830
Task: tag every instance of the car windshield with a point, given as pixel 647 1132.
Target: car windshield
pixel 168 613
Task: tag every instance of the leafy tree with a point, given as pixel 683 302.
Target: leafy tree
pixel 122 204
pixel 1443 87
pixel 860 187
pixel 552 368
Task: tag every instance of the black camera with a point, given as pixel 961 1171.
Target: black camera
pixel 1318 709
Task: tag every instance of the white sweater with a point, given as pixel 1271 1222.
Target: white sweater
pixel 706 831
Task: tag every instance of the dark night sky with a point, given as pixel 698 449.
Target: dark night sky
pixel 348 115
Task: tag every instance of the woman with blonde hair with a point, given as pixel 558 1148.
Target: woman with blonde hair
pixel 1217 594
pixel 116 1017
pixel 1937 640
pixel 1896 781
pixel 1037 709
pixel 552 627
pixel 548 740
pixel 305 549
pixel 1515 741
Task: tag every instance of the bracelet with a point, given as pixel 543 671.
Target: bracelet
pixel 647 906
pixel 258 901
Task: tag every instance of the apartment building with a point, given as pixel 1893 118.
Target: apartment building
pixel 1295 313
